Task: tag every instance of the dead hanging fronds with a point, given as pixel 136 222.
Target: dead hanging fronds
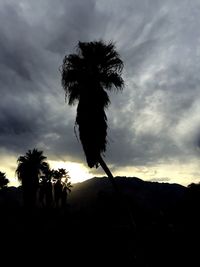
pixel 75 132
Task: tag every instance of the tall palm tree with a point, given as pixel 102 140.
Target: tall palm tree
pixel 29 169
pixel 86 75
pixel 3 180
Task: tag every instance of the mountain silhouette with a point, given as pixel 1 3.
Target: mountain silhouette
pixel 151 195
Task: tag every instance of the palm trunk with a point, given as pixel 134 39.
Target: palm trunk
pixel 109 174
pixel 118 192
pixel 126 206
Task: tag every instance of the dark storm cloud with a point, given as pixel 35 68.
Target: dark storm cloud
pixel 79 20
pixel 33 43
pixel 162 70
pixel 29 75
pixel 34 39
pixel 13 54
pixel 140 149
pixel 154 120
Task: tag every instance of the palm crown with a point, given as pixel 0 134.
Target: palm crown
pixel 30 167
pixel 85 76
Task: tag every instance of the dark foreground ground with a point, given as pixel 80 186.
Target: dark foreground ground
pixel 105 232
pixel 81 240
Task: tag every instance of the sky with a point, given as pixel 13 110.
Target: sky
pixel 154 124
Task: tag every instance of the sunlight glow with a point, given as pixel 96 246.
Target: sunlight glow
pixel 173 172
pixel 77 171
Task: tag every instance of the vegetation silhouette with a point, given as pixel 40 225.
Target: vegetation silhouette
pixel 66 186
pixel 30 168
pixel 86 75
pixel 46 189
pixel 62 186
pixel 54 187
pixel 3 180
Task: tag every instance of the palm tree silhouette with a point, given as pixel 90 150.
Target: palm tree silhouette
pixel 62 186
pixel 3 180
pixel 66 187
pixel 28 171
pixel 45 188
pixel 86 76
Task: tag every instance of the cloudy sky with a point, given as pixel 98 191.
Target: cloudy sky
pixel 154 124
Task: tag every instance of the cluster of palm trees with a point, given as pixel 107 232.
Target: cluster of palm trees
pixel 40 183
pixel 54 188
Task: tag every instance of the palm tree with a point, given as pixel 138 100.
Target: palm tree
pixel 62 186
pixel 66 184
pixel 60 174
pixel 86 76
pixel 3 180
pixel 29 169
pixel 45 188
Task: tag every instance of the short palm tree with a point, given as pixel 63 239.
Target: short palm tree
pixel 29 169
pixel 3 180
pixel 62 185
pixel 45 188
pixel 65 178
pixel 86 75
